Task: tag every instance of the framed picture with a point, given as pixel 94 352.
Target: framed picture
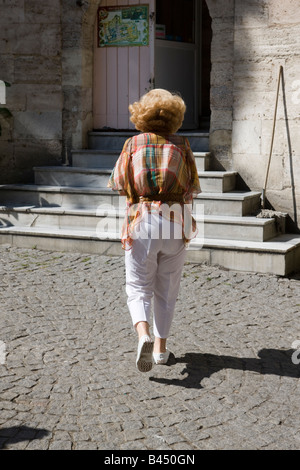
pixel 123 26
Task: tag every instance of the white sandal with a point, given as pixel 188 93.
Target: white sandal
pixel 161 358
pixel 144 359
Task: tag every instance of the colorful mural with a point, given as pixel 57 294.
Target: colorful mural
pixel 123 26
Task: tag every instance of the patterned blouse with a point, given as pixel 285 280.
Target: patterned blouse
pixel 152 166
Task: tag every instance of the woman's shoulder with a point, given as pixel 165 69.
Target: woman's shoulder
pixel 151 138
pixel 135 141
pixel 177 139
pixel 146 138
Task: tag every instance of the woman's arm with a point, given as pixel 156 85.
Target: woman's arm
pixel 118 180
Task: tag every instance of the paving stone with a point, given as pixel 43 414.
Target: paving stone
pixel 69 379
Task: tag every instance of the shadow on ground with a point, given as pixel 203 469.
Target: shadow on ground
pixel 15 434
pixel 284 363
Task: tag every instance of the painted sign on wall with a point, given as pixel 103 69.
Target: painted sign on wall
pixel 123 26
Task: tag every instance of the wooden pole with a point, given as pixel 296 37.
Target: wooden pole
pixel 272 140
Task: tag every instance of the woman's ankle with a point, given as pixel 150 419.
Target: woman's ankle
pixel 142 329
pixel 160 345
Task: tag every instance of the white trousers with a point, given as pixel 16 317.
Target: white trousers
pixel 153 270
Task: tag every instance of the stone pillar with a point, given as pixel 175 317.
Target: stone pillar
pixel 222 54
pixel 77 73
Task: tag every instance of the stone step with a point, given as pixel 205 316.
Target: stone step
pixel 98 140
pixel 280 256
pixel 62 218
pixel 199 141
pixel 72 176
pixel 71 209
pixel 107 158
pixel 235 203
pixel 68 197
pixel 111 140
pixel 202 161
pixel 210 181
pixel 107 218
pixel 94 158
pixel 217 181
pixel 237 228
pixel 67 240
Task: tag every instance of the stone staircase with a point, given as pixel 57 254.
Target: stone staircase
pixel 69 208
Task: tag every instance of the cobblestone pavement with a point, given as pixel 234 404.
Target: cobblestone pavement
pixel 67 354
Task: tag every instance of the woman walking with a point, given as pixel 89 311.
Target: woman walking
pixel 157 173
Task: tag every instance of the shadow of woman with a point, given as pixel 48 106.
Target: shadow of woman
pixel 199 366
pixel 15 434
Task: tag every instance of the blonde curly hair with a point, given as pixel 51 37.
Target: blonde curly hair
pixel 158 111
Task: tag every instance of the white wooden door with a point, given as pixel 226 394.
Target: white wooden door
pixel 122 74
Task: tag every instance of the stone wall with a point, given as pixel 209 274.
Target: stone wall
pixel 30 59
pixel 46 53
pixel 267 36
pixel 251 40
pixel 221 97
pixel 78 21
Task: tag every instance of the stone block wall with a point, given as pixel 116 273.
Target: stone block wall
pixel 46 56
pixel 251 40
pixel 267 36
pixel 30 60
pixel 78 19
pixel 221 96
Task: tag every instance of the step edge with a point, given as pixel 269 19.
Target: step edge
pixel 229 195
pixel 58 232
pixel 280 244
pixel 59 189
pixel 95 151
pixel 216 174
pixel 236 220
pixel 202 154
pixel 99 170
pixel 40 187
pixel 73 169
pixel 117 152
pixel 61 210
pixel 116 133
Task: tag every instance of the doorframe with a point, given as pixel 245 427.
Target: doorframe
pixel 198 57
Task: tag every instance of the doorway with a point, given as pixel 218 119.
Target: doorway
pixel 176 57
